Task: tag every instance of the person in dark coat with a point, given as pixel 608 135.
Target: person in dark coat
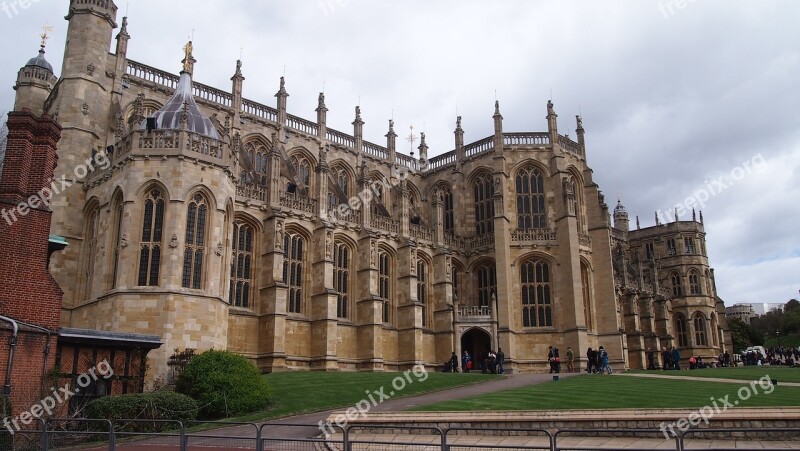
pixel 666 356
pixel 676 358
pixel 589 360
pixel 454 362
pixel 651 359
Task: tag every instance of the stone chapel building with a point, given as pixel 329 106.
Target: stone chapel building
pixel 224 223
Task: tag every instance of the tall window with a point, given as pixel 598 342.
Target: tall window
pixel 680 329
pixel 671 248
pixel 302 169
pixel 92 225
pixel 117 239
pixel 689 245
pixel 152 231
pixel 422 290
pixel 293 270
pixel 677 290
pixel 531 213
pixel 487 284
pixel 343 183
pixel 447 199
pixel 648 249
pixel 484 204
pixel 385 284
pixel 587 297
pixel 194 249
pixel 341 279
pixel 700 330
pixel 536 303
pixel 694 282
pixel 241 265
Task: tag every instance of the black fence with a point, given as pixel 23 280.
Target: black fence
pixel 141 435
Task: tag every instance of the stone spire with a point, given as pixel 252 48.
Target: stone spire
pixel 282 95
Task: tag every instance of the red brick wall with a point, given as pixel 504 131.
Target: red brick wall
pixel 28 292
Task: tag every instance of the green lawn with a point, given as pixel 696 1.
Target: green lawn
pixel 749 373
pixel 296 392
pixel 609 392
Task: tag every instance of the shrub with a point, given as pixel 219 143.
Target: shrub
pixel 160 405
pixel 224 384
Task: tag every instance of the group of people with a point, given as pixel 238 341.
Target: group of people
pixel 597 361
pixel 775 356
pixel 670 359
pixel 492 362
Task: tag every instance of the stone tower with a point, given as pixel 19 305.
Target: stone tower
pixel 81 105
pixel 621 217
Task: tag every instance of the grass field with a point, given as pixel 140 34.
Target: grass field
pixel 749 373
pixel 613 392
pixel 297 392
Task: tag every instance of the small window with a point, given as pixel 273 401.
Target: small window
pixel 671 248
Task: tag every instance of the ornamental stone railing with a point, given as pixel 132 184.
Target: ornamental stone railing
pixel 384 223
pixel 252 191
pixel 296 201
pixel 533 235
pixel 420 232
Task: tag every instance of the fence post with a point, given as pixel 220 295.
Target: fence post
pixel 259 441
pixel 183 439
pixel 346 437
pixel 112 437
pixel 45 438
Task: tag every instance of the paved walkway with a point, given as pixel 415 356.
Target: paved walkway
pixel 701 379
pixel 284 430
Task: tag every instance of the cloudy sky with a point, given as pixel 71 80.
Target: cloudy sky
pixel 678 102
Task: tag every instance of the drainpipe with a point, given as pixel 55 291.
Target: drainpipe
pixel 11 346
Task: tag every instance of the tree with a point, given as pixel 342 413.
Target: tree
pixel 740 334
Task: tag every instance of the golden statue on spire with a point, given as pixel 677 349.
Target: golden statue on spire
pixel 187 50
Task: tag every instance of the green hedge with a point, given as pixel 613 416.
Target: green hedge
pixel 224 384
pixel 160 405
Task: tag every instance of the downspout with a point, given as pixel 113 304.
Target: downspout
pixel 11 346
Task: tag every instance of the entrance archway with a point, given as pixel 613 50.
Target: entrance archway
pixel 477 342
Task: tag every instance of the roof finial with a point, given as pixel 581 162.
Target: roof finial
pixel 45 29
pixel 187 54
pixel 496 106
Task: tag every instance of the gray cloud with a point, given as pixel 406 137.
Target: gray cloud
pixel 668 101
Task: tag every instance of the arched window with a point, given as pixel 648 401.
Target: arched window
pixel 531 212
pixel 195 248
pixel 484 204
pixel 342 180
pixel 694 282
pixel 680 330
pixel 241 265
pixel 422 290
pixel 699 323
pixel 293 260
pixel 447 200
pixel 385 284
pixel 573 198
pixel 152 231
pixel 117 238
pixel 302 169
pixel 536 302
pixel 341 279
pixel 487 284
pixel 588 314
pixel 677 289
pixel 92 226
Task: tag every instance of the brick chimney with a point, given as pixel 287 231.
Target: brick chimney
pixel 29 292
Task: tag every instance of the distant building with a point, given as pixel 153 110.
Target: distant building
pixel 743 312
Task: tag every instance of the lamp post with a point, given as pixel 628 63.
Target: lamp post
pixel 778 334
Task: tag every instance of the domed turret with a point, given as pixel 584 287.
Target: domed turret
pixel 620 217
pixel 35 80
pixel 183 107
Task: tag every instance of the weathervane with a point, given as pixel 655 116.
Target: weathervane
pixel 411 138
pixel 45 29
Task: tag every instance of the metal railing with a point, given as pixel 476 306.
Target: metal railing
pixel 69 433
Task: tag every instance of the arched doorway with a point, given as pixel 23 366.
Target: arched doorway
pixel 477 342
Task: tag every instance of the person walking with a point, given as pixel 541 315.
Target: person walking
pixel 466 362
pixel 666 357
pixel 454 362
pixel 570 359
pixel 651 359
pixel 604 361
pixel 676 358
pixel 501 358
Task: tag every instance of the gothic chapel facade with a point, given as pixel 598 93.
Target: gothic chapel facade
pixel 226 223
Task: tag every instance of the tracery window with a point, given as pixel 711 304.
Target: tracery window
pixel 152 231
